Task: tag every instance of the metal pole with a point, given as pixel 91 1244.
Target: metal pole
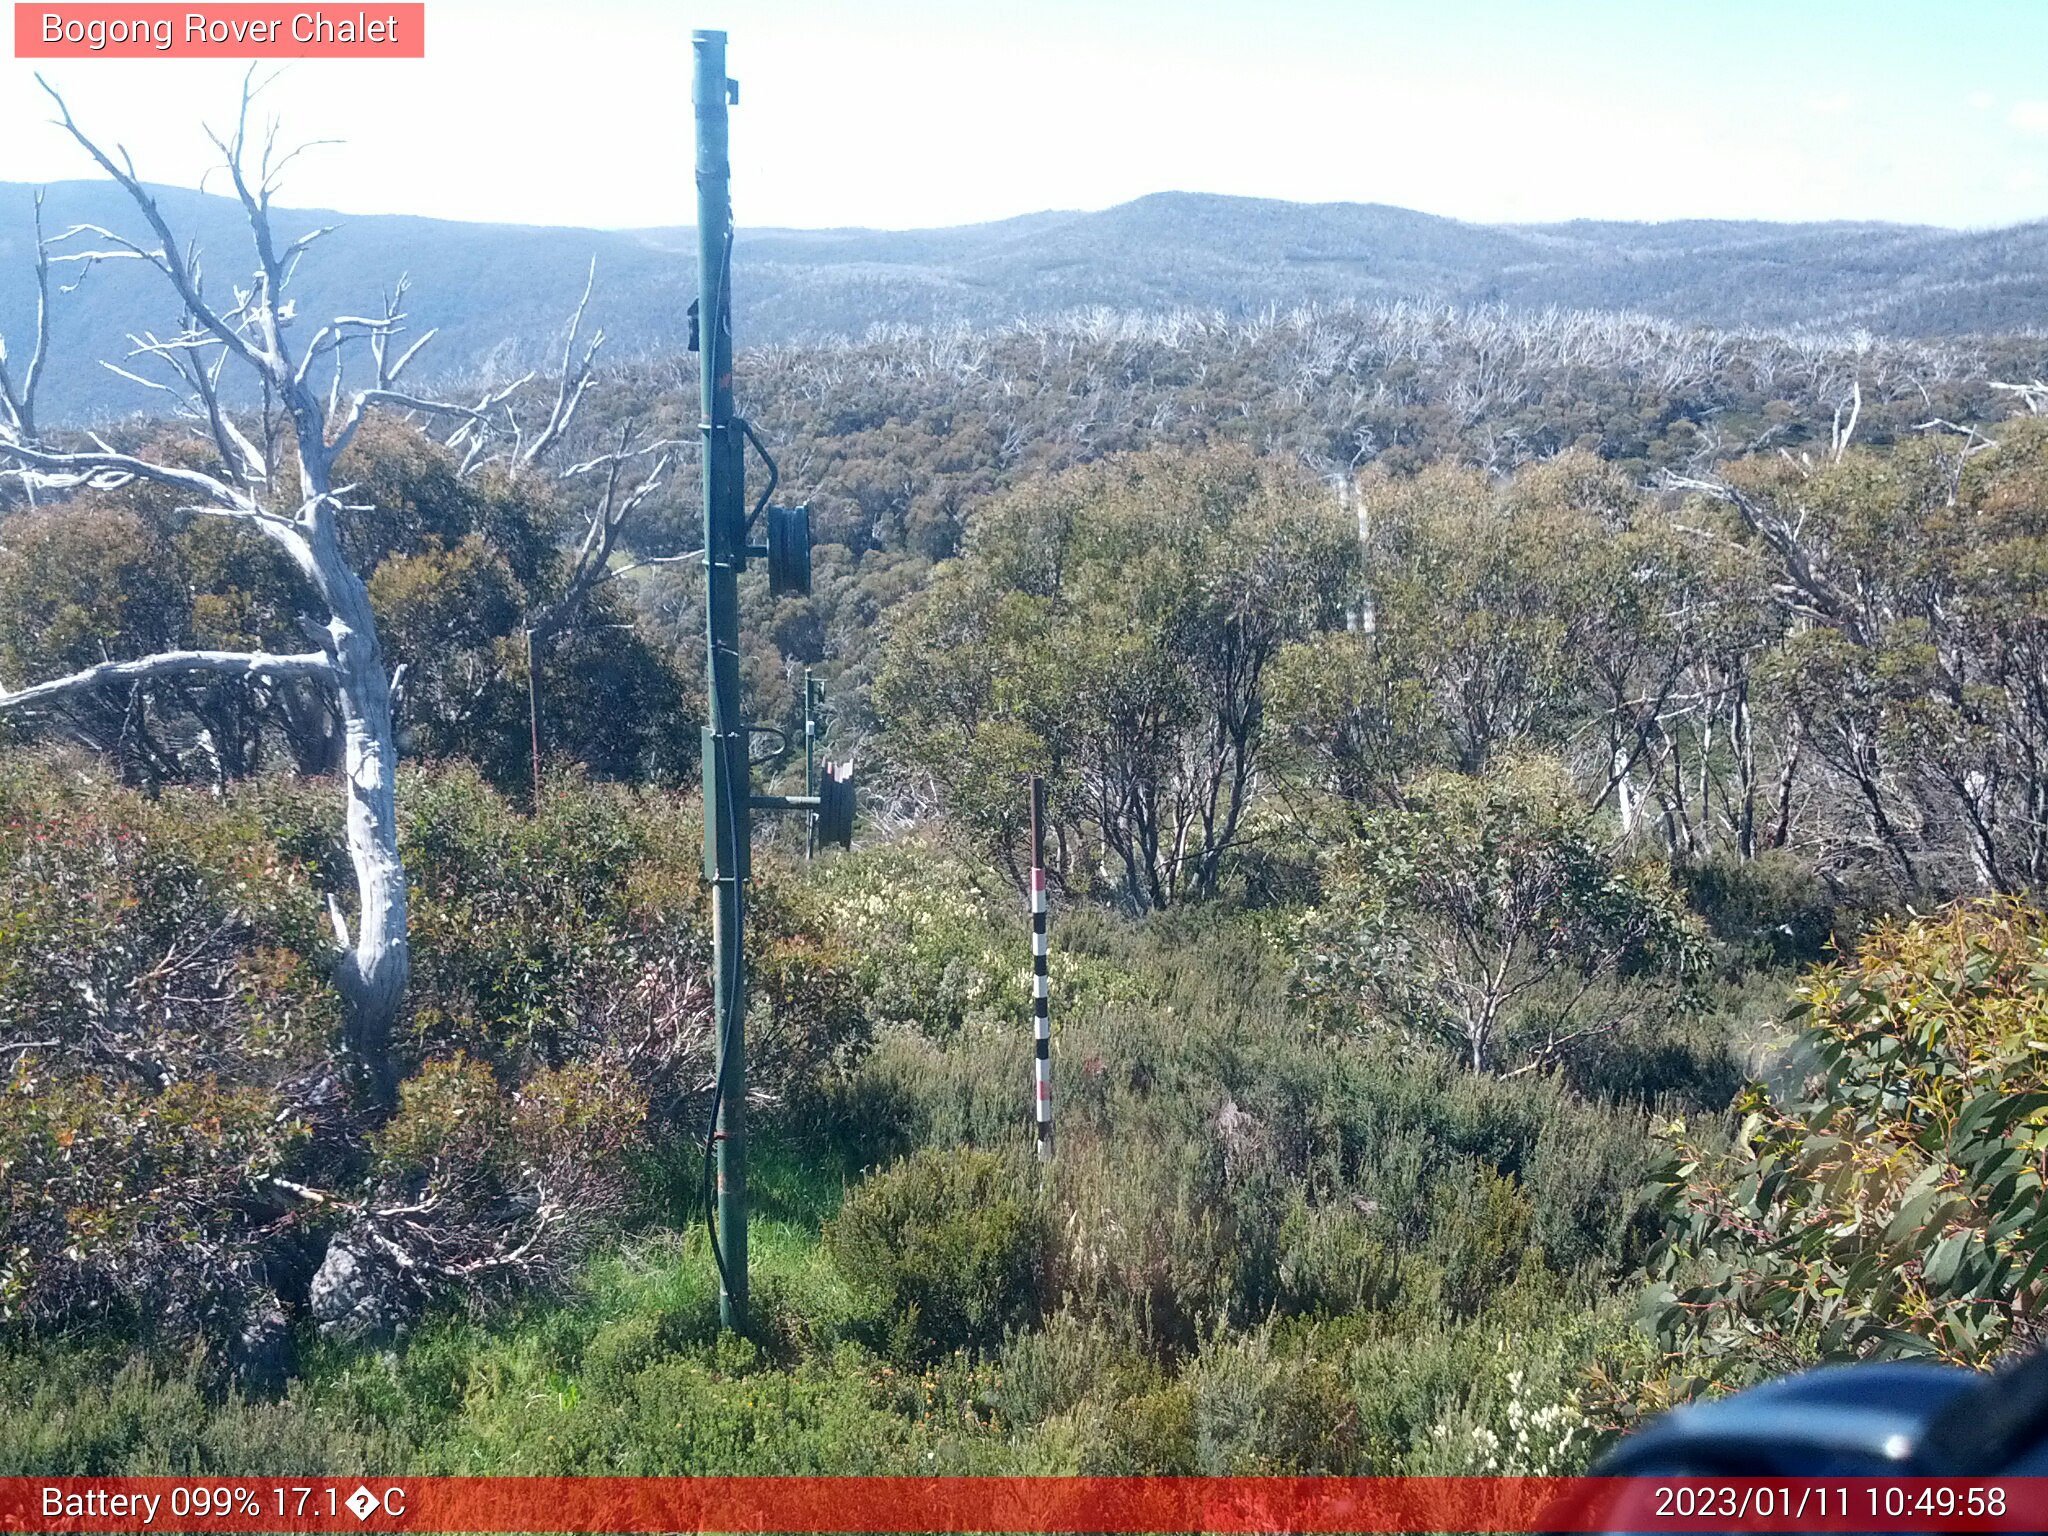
pixel 726 776
pixel 1041 983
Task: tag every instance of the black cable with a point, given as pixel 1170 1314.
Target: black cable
pixel 725 1052
pixel 729 1013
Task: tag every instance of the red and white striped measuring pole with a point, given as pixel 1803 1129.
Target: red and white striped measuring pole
pixel 1041 985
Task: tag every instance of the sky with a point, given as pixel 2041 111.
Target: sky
pixel 914 113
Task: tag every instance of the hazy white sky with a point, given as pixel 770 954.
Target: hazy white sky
pixel 906 113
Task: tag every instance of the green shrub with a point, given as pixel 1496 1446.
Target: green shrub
pixel 943 945
pixel 1773 910
pixel 1487 917
pixel 949 1246
pixel 519 1184
pixel 930 954
pixel 707 1411
pixel 1530 1381
pixel 584 927
pixel 911 1091
pixel 163 962
pixel 157 984
pixel 620 1350
pixel 1891 1203
pixel 1149 1434
pixel 81 1411
pixel 1480 1238
pixel 1051 1371
pixel 1260 1248
pixel 1334 1262
pixel 1256 1411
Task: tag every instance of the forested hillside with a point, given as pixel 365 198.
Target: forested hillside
pixel 495 290
pixel 1547 820
pixel 897 440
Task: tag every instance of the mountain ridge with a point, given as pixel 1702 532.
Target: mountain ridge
pixel 500 293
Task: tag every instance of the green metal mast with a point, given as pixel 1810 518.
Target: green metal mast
pixel 726 778
pixel 729 798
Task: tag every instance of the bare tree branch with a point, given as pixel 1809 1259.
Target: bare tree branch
pixel 1814 590
pixel 591 566
pixel 167 258
pixel 107 470
pixel 640 565
pixel 575 380
pixel 19 399
pixel 251 664
pixel 368 399
pixel 2033 395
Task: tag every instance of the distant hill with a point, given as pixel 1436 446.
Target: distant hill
pixel 500 293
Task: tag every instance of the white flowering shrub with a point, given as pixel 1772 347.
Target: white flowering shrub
pixel 1531 1421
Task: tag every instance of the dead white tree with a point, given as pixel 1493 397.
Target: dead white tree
pixel 622 490
pixel 626 476
pixel 18 395
pixel 291 498
pixel 1847 413
pixel 2032 395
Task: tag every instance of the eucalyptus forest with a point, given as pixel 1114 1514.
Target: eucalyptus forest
pixel 1547 816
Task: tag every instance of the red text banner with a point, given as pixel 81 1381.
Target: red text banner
pixel 1019 1504
pixel 220 31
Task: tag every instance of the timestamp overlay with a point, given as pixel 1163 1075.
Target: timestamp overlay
pixel 1021 1504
